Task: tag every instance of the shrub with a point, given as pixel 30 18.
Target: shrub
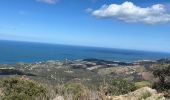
pixel 22 89
pixel 77 90
pixel 145 95
pixel 117 87
pixel 142 84
pixel 163 73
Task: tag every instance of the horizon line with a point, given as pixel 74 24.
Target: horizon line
pixel 40 42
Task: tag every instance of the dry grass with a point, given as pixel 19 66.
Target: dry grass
pixel 1 93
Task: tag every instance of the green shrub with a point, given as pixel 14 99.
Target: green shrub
pixel 117 87
pixel 77 90
pixel 142 84
pixel 163 73
pixel 145 95
pixel 22 89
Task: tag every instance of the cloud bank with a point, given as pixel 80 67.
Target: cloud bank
pixel 129 12
pixel 48 1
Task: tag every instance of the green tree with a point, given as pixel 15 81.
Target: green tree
pixel 163 73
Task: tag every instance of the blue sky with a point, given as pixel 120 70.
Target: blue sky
pixel 88 22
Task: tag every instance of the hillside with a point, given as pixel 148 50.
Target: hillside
pixel 88 78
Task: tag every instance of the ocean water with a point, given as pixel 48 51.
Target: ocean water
pixel 12 52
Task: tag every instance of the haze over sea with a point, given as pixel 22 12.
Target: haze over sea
pixel 13 51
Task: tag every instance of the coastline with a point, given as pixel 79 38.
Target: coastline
pixel 87 64
pixel 94 60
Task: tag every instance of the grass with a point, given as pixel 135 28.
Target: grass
pixel 142 84
pixel 145 95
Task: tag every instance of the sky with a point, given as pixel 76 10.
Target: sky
pixel 126 24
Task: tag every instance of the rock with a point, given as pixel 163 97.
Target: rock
pixel 59 98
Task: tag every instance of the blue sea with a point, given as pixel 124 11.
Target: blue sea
pixel 12 52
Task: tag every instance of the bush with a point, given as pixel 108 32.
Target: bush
pixel 117 87
pixel 142 84
pixel 145 95
pixel 163 73
pixel 77 90
pixel 22 89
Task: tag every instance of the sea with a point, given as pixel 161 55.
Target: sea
pixel 13 51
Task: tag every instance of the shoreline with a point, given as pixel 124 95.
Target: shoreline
pixel 106 62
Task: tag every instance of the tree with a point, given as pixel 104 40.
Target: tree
pixel 163 73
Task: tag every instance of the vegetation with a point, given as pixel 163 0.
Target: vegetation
pixel 145 95
pixel 79 80
pixel 77 90
pixel 162 72
pixel 117 87
pixel 142 84
pixel 22 89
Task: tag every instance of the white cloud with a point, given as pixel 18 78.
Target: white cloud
pixel 48 1
pixel 129 12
